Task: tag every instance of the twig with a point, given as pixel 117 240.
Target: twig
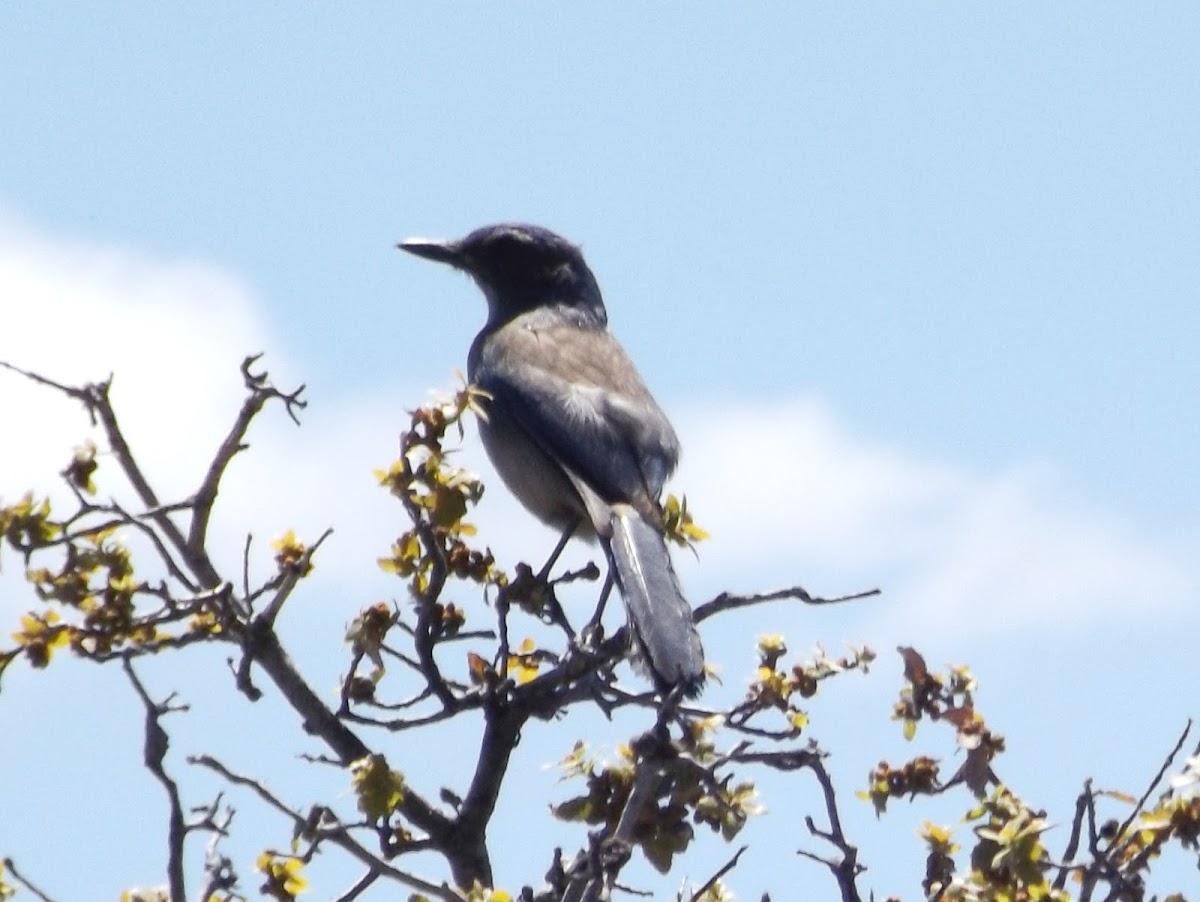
pixel 1091 873
pixel 360 886
pixel 846 870
pixel 260 392
pixel 123 517
pixel 8 862
pixel 728 602
pixel 95 400
pixel 348 682
pixel 1141 804
pixel 1081 807
pixel 265 650
pixel 197 560
pixel 786 760
pixel 75 393
pixel 246 568
pixel 502 650
pixel 402 705
pixel 399 725
pixel 712 881
pixel 295 572
pixel 153 754
pixel 336 834
pixel 218 869
pixel 423 639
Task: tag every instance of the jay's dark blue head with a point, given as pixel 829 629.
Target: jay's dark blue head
pixel 520 268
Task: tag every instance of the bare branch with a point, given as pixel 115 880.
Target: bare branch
pixel 262 646
pixel 8 862
pixel 218 869
pixel 502 650
pixel 360 886
pixel 1081 809
pixel 501 731
pixel 122 517
pixel 846 870
pixel 784 760
pixel 78 394
pixel 1141 804
pixel 712 881
pixel 728 602
pixel 336 834
pixel 246 567
pixel 101 407
pixel 154 753
pixel 95 400
pixel 260 392
pixel 399 725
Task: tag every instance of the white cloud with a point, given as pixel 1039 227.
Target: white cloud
pixel 951 547
pixel 172 332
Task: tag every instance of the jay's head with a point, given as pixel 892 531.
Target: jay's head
pixel 518 267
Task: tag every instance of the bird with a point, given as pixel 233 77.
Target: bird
pixel 572 429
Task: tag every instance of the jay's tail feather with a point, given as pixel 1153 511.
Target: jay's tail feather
pixel 661 617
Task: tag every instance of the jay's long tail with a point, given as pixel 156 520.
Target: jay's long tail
pixel 661 617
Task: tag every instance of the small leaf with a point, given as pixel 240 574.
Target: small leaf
pixel 379 788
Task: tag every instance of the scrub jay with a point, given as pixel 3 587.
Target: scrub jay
pixel 571 427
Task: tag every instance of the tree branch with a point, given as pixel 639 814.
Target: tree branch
pixel 266 651
pixel 1141 804
pixel 260 392
pixel 1081 809
pixel 153 755
pixel 95 400
pixel 467 848
pixel 729 602
pixel 218 869
pixel 712 881
pixel 12 868
pixel 294 573
pixel 360 886
pixel 847 868
pixel 336 834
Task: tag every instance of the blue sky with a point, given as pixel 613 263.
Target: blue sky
pixel 928 272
